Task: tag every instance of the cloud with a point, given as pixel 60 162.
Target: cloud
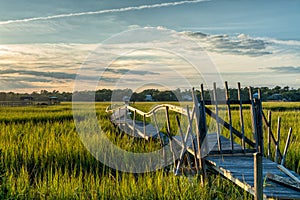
pixel 290 69
pixel 56 65
pixel 116 10
pixel 56 75
pixel 131 72
pixel 238 45
pixel 26 79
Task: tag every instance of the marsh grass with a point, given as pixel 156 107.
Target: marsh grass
pixel 42 157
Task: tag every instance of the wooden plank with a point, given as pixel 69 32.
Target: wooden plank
pixel 239 169
pixel 286 146
pixel 284 181
pixel 287 172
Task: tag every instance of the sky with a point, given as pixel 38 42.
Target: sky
pixel 76 45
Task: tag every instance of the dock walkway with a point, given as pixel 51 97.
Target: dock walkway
pixel 265 179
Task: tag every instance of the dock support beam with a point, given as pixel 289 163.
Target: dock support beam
pixel 201 163
pixel 258 177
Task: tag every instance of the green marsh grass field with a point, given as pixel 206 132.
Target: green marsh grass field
pixel 42 157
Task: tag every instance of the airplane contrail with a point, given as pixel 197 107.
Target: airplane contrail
pixel 142 7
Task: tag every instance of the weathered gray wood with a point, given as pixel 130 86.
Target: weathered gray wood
pixel 241 115
pixel 278 140
pixel 158 130
pixel 184 147
pixel 133 121
pixel 229 114
pixel 194 150
pixel 217 117
pixel 253 118
pixel 119 116
pixel 287 172
pixel 258 176
pixel 203 109
pixel 239 169
pixel 199 153
pixel 260 138
pixel 125 116
pixel 287 143
pixel 226 125
pixel 237 165
pixel 203 126
pixel 272 135
pixel 269 133
pixel 144 124
pixel 284 181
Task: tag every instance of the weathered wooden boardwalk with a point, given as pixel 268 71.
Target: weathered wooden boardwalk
pixel 241 163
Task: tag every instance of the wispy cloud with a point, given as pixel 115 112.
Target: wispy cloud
pixel 289 69
pixel 131 72
pixel 116 10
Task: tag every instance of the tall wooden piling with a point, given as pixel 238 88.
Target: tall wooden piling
pixel 217 118
pixel 259 125
pixel 229 114
pixel 269 124
pixel 258 176
pixel 241 115
pixel 278 140
pixel 199 145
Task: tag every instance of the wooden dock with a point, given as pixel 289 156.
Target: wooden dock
pixel 241 163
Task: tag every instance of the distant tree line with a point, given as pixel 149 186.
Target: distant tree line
pixel 277 93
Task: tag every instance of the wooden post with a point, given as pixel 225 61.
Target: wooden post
pixel 229 114
pixel 253 118
pixel 199 153
pixel 241 115
pixel 169 135
pixel 278 140
pixel 217 118
pixel 133 121
pixel 144 123
pixel 203 107
pixel 258 176
pixel 160 139
pixel 269 124
pixel 119 117
pixel 259 126
pixel 184 147
pixel 115 118
pixel 287 143
pixel 157 130
pixel 125 116
pixel 190 120
pixel 203 126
